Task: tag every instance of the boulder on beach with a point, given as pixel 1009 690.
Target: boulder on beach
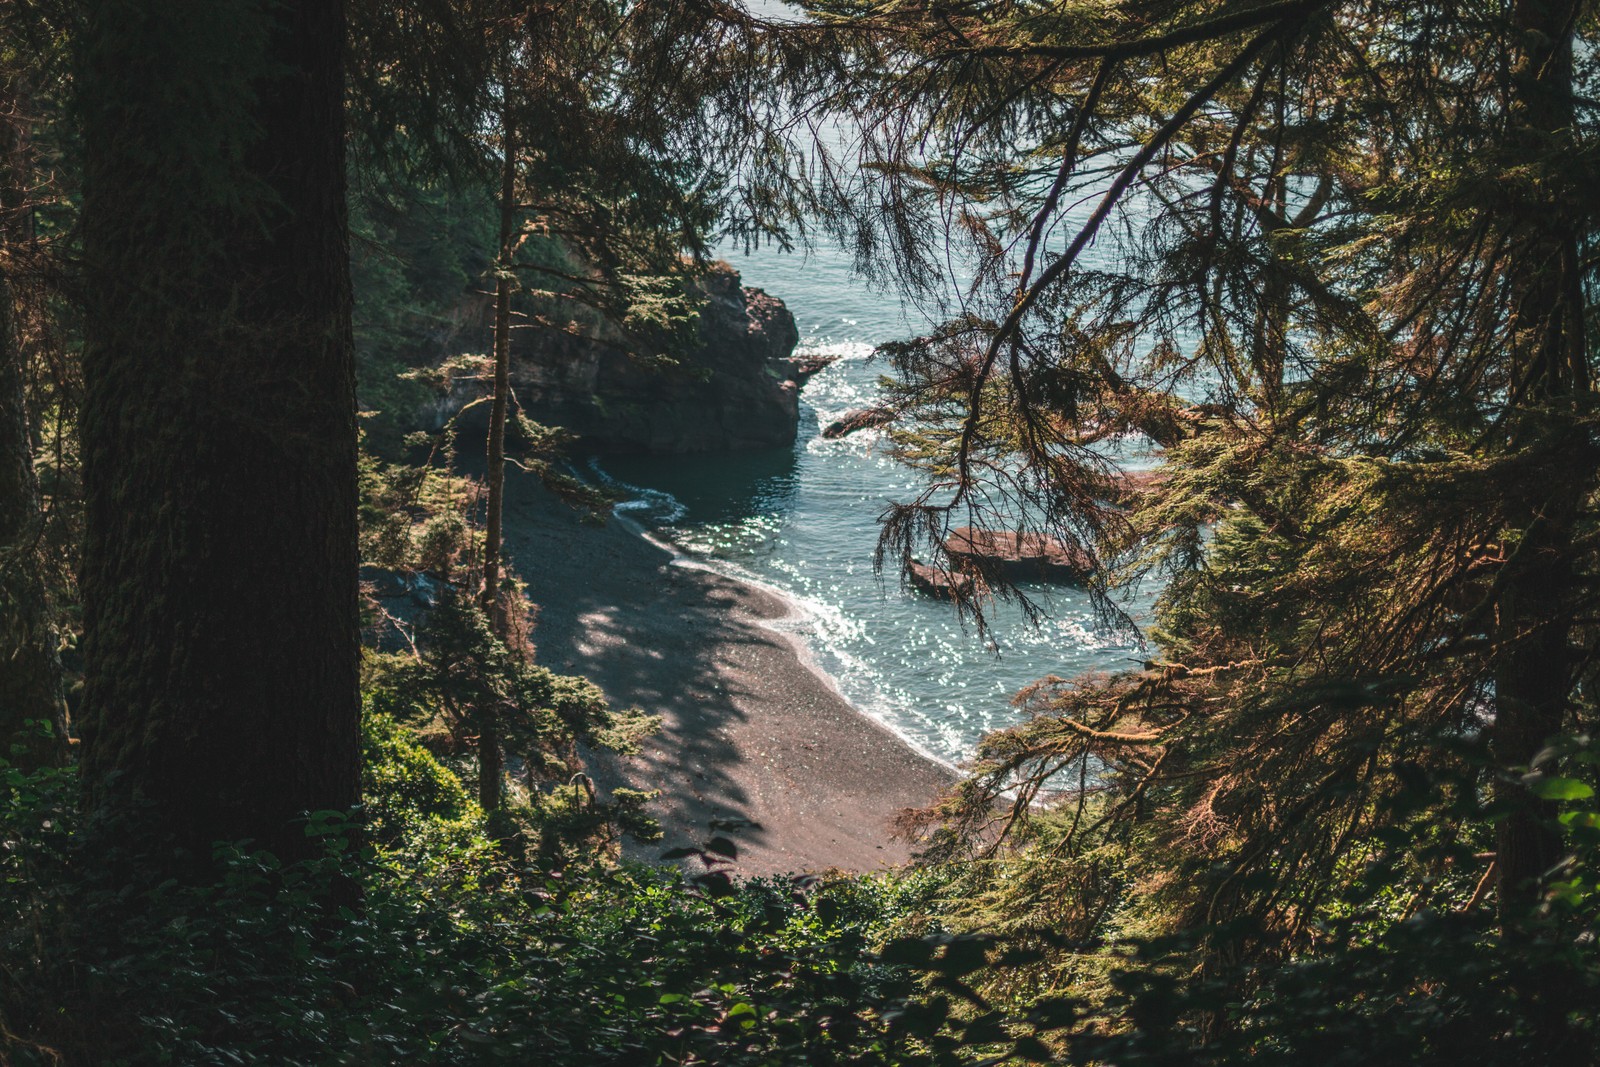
pixel 858 419
pixel 1025 557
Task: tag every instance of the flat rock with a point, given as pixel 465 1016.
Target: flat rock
pixel 801 369
pixel 931 581
pixel 1027 557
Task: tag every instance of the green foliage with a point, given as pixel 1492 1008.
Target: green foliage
pixel 1342 291
pixel 418 249
pixel 1406 962
pixel 1353 312
pixel 462 667
pixel 1422 975
pixel 459 670
pixel 455 954
pixel 410 798
pixel 413 518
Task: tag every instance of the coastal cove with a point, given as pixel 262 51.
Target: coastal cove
pixel 805 521
pixel 734 594
pixel 799 534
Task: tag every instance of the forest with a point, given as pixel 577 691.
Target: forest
pixel 347 717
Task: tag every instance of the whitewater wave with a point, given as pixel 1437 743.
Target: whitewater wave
pixel 653 505
pixel 855 351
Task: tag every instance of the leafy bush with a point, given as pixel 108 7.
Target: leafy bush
pixel 451 954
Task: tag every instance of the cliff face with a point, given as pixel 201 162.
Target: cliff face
pixel 739 390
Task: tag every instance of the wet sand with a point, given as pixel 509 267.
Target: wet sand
pixel 749 731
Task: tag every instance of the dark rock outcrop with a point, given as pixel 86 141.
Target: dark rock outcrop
pixel 739 389
pixel 1017 557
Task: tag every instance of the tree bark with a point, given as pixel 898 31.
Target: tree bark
pixel 490 758
pixel 219 430
pixel 1535 676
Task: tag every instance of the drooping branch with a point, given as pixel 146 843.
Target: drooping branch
pixel 1008 328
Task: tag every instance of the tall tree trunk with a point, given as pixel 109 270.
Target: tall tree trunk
pixel 219 431
pixel 1534 681
pixel 490 758
pixel 33 722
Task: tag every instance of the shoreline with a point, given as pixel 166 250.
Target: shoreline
pixel 752 728
pixel 795 610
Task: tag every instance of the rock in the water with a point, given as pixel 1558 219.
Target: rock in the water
pixel 800 369
pixel 858 419
pixel 1017 557
pixel 931 581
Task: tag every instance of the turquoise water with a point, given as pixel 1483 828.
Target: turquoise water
pixel 805 520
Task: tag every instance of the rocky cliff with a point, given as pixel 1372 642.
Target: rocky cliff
pixel 738 390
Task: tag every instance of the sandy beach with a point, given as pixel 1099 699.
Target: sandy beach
pixel 749 731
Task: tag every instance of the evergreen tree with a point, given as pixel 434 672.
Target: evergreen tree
pixel 609 169
pixel 587 172
pixel 32 708
pixel 1345 295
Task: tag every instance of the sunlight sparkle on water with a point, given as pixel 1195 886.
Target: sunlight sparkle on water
pixel 805 521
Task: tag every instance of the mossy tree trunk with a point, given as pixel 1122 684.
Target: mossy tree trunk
pixel 219 431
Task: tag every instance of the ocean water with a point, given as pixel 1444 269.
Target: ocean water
pixel 806 521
